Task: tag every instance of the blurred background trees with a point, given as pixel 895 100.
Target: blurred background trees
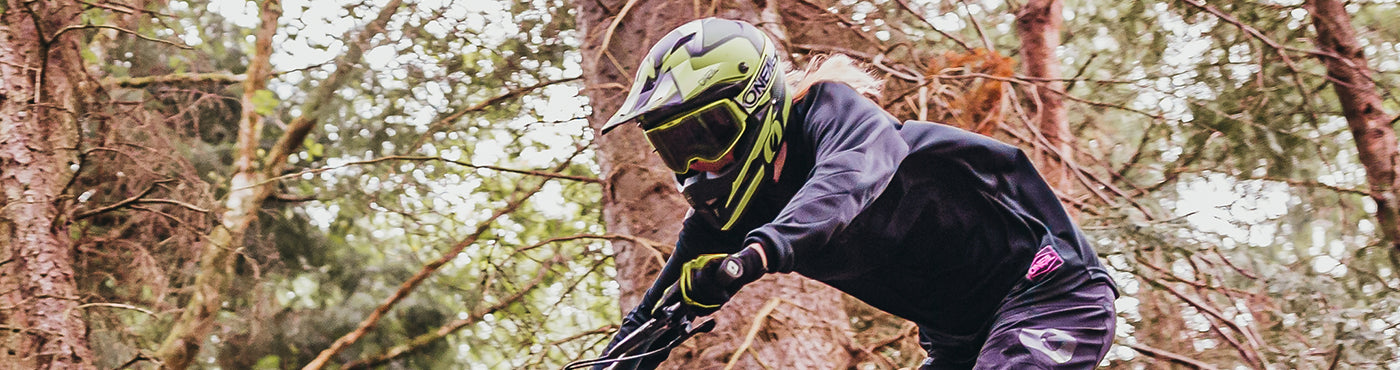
pixel 414 184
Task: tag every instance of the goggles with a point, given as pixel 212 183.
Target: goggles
pixel 701 139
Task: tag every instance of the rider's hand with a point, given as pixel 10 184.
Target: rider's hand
pixel 708 281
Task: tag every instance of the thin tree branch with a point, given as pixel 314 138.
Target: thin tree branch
pixel 138 358
pixel 1091 181
pixel 612 28
pixel 1288 61
pixel 1170 356
pixel 986 42
pixel 905 5
pixel 421 158
pixel 863 56
pixel 125 9
pixel 119 305
pixel 119 29
pixel 511 94
pixel 422 340
pixel 289 198
pixel 301 126
pixel 572 287
pixel 175 202
pixel 1249 352
pixel 662 250
pixel 124 202
pixel 1024 80
pixel 1254 33
pixel 174 79
pixel 417 279
pixel 869 350
pixel 1309 184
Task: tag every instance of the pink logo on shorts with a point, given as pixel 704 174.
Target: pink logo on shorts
pixel 1046 260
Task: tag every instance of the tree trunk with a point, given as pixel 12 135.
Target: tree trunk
pixel 1371 126
pixel 44 90
pixel 1038 25
pixel 182 344
pixel 804 325
pixel 254 179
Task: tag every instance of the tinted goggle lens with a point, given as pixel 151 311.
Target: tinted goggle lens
pixel 705 134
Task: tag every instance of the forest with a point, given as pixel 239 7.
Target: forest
pixel 419 184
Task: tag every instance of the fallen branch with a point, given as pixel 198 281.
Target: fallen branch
pixel 869 351
pixel 138 359
pixel 754 327
pixel 909 329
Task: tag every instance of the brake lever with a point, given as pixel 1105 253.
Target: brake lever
pixel 672 314
pixel 704 326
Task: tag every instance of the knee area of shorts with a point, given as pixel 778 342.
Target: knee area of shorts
pixel 1012 365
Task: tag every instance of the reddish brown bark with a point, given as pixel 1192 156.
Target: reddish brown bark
pixel 808 327
pixel 1361 104
pixel 1038 25
pixel 43 92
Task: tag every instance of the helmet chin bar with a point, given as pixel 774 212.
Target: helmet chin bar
pixel 700 190
pixel 710 193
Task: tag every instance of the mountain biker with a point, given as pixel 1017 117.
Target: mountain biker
pixel 954 231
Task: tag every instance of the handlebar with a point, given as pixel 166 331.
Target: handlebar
pixel 673 314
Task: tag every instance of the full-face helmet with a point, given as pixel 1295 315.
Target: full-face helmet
pixel 712 100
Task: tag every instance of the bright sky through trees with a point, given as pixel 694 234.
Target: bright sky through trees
pixel 447 204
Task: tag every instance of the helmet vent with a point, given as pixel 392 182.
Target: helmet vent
pixel 681 42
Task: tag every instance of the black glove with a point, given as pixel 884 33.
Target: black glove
pixel 708 281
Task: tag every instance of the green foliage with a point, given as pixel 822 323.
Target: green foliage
pixel 1237 171
pixel 264 102
pixel 1238 174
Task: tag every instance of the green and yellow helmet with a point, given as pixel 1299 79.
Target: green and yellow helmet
pixel 711 98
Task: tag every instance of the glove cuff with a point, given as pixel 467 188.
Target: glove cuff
pixel 743 267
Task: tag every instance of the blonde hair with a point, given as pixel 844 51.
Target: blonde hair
pixel 835 68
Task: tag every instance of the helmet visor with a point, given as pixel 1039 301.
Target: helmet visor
pixel 705 134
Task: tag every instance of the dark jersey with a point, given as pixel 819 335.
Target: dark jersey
pixel 928 222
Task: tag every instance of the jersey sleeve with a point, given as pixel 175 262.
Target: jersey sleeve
pixel 857 148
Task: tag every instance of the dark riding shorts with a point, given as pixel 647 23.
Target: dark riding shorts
pixel 1072 330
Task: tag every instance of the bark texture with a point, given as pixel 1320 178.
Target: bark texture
pixel 1038 25
pixel 44 96
pixel 795 323
pixel 1371 127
